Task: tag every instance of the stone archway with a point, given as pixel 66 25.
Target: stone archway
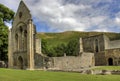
pixel 110 61
pixel 20 62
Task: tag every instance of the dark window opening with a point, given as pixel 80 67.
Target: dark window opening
pixel 110 61
pixel 17 42
pixel 20 14
pixel 20 62
pixel 96 46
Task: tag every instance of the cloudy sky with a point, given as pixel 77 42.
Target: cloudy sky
pixel 72 15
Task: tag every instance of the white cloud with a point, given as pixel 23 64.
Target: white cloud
pixel 8 24
pixel 65 15
pixel 117 20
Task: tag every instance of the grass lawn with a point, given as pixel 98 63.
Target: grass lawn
pixel 25 75
pixel 107 68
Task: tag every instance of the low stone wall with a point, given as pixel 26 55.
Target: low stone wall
pixel 72 63
pixel 101 72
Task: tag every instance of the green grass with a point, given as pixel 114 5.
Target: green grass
pixel 107 68
pixel 25 75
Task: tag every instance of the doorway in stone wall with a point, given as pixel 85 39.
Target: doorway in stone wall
pixel 20 62
pixel 110 61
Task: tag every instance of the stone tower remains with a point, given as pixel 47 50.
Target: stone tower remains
pixel 22 39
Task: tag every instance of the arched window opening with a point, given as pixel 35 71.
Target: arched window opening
pixel 25 40
pixel 96 46
pixel 20 14
pixel 110 61
pixel 20 62
pixel 17 42
pixel 20 38
pixel 20 29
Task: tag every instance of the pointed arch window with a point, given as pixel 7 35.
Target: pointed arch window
pixel 21 38
pixel 21 29
pixel 25 40
pixel 17 42
pixel 20 15
pixel 96 45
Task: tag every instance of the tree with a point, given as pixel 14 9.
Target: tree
pixel 60 49
pixel 73 47
pixel 44 46
pixel 6 15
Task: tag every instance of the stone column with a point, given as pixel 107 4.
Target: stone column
pixel 81 45
pixel 30 45
pixel 38 45
pixel 10 55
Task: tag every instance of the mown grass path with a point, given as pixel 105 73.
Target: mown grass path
pixel 25 75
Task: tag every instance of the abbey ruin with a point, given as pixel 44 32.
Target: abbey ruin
pixel 25 48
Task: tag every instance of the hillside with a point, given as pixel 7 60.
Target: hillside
pixel 54 39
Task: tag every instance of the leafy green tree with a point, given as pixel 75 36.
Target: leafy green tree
pixel 6 15
pixel 73 47
pixel 51 52
pixel 60 50
pixel 44 46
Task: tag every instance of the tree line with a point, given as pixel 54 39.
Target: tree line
pixel 70 49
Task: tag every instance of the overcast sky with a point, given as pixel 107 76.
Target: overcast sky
pixel 72 15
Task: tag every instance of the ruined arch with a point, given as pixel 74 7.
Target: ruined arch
pixel 21 30
pixel 20 62
pixel 110 61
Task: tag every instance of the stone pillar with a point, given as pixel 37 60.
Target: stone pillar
pixel 81 45
pixel 10 55
pixel 38 46
pixel 30 45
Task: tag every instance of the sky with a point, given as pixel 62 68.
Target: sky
pixel 72 15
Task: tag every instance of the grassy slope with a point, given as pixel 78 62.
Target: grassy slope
pixel 54 39
pixel 23 75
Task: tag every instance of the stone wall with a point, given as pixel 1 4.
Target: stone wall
pixel 25 15
pixel 16 61
pixel 114 54
pixel 114 44
pixel 100 59
pixel 39 61
pixel 38 46
pixel 89 43
pixel 72 62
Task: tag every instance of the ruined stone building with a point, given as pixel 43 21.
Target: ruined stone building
pixel 25 48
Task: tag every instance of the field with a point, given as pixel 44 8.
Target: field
pixel 25 75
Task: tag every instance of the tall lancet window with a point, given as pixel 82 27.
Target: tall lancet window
pixel 25 40
pixel 21 38
pixel 96 46
pixel 17 42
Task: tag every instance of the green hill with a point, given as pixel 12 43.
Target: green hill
pixel 54 39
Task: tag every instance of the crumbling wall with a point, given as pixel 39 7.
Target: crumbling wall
pixel 72 62
pixel 113 54
pixel 40 61
pixel 89 43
